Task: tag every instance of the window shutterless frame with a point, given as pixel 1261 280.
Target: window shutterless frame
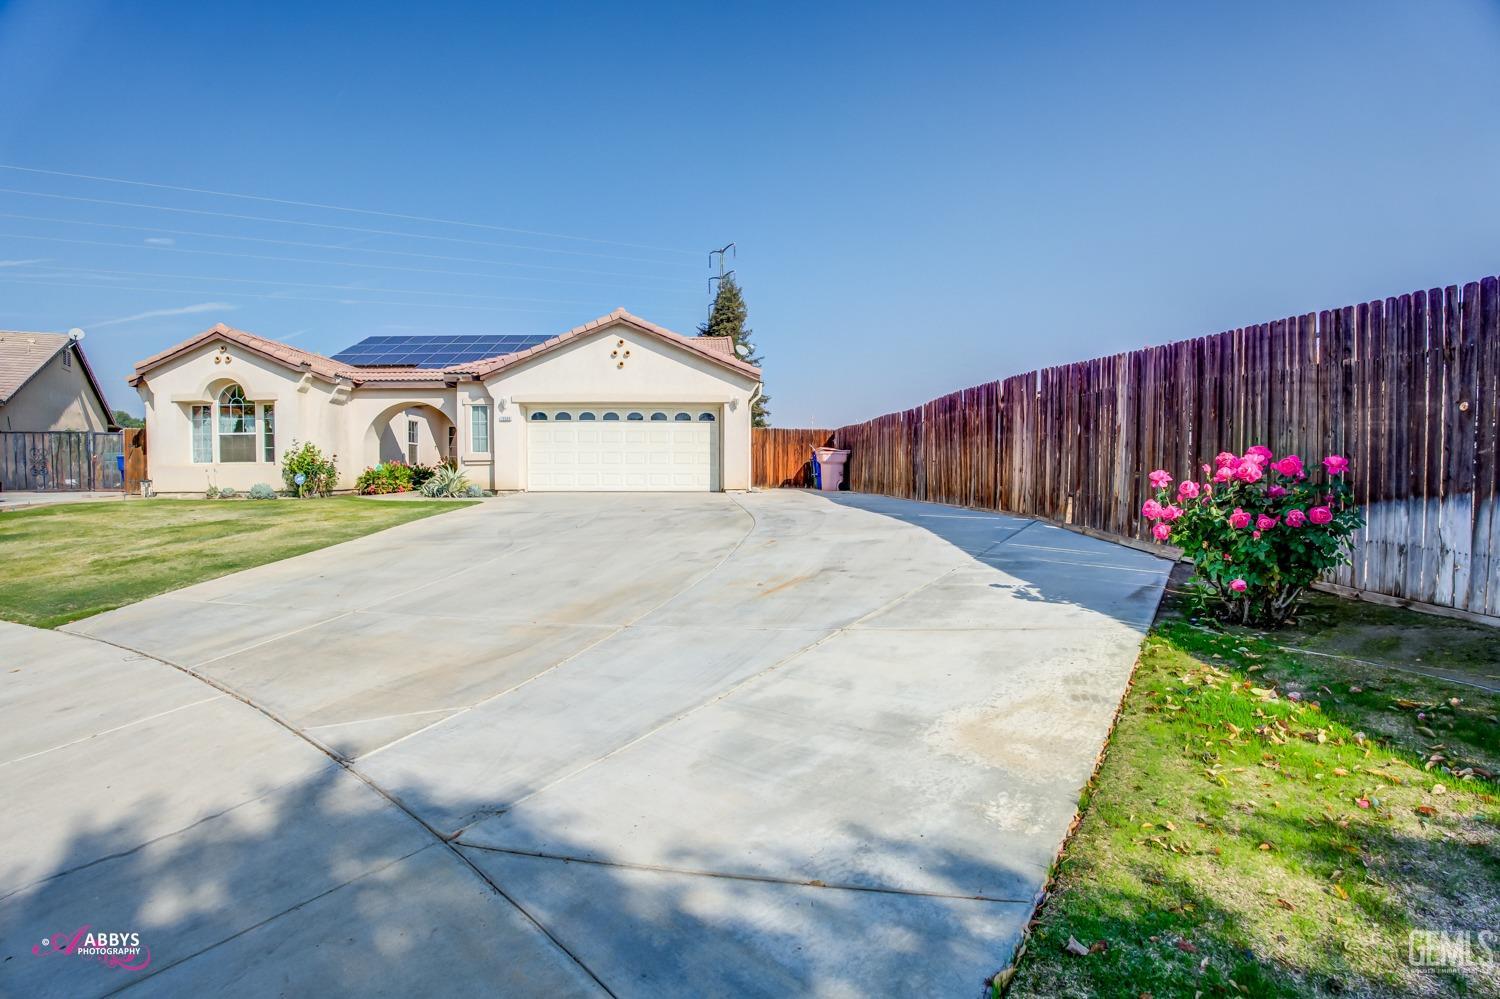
pixel 479 429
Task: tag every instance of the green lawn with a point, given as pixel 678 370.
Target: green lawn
pixel 70 561
pixel 1240 842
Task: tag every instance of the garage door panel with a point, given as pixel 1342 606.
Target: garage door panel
pixel 680 453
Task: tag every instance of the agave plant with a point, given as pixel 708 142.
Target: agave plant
pixel 447 480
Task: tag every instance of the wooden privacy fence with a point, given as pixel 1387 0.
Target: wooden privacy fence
pixel 1406 388
pixel 783 457
pixel 60 460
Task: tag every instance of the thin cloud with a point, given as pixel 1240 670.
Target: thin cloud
pixel 183 310
pixel 23 263
pixel 160 241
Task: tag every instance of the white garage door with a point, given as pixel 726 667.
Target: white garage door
pixel 643 448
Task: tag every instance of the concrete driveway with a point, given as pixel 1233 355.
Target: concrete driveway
pixel 768 744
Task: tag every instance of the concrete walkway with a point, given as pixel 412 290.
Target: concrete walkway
pixel 556 745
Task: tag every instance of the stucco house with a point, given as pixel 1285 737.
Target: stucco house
pixel 46 384
pixel 618 403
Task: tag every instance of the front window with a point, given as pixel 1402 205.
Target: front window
pixel 479 428
pixel 268 431
pixel 453 444
pixel 203 434
pixel 236 426
pixel 412 441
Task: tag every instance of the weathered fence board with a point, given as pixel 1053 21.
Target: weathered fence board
pixel 1407 387
pixel 59 460
pixel 782 457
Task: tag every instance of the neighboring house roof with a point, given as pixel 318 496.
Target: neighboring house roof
pixel 23 355
pixel 720 350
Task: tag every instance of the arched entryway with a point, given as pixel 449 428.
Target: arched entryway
pixel 411 432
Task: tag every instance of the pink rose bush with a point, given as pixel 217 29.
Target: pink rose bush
pixel 1259 530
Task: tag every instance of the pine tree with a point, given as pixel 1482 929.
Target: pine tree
pixel 728 319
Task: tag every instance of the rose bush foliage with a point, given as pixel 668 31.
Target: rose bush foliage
pixel 1259 529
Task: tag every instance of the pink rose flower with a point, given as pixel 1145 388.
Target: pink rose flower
pixel 1290 466
pixel 1295 518
pixel 1160 479
pixel 1225 459
pixel 1275 492
pixel 1255 535
pixel 1206 469
pixel 1238 585
pixel 1170 513
pixel 1320 515
pixel 1249 472
pixel 1151 509
pixel 1260 454
pixel 1225 474
pixel 1161 531
pixel 1239 520
pixel 1264 523
pixel 1336 464
pixel 1187 489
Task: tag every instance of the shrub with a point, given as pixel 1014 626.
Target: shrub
pixel 421 473
pixel 228 492
pixel 1259 530
pixel 212 492
pixel 261 491
pixel 319 475
pixel 386 477
pixel 474 492
pixel 446 480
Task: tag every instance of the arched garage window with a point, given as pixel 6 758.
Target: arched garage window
pixel 706 417
pixel 683 417
pixel 658 416
pixel 562 415
pixel 635 416
pixel 236 425
pixel 585 415
pixel 611 416
pixel 539 417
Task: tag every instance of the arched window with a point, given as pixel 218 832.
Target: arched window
pixel 539 417
pixel 562 415
pixel 658 416
pixel 236 425
pixel 585 415
pixel 635 416
pixel 706 417
pixel 683 417
pixel 611 416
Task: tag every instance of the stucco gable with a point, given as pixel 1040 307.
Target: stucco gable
pixel 711 351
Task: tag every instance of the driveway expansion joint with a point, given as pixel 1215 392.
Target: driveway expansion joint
pixel 739 876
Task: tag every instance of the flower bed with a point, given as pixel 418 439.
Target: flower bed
pixel 1259 529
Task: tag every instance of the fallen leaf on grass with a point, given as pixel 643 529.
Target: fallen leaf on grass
pixel 1265 846
pixel 1426 810
pixel 1098 947
pixel 1339 891
pixel 1001 981
pixel 1286 905
pixel 1186 946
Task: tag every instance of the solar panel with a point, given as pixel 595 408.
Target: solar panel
pixel 434 351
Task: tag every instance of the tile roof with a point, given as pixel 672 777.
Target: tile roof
pixel 717 349
pixel 711 347
pixel 23 354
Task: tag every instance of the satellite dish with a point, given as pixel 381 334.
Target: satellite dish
pixel 742 349
pixel 75 333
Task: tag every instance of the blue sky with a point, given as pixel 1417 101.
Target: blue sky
pixel 924 196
